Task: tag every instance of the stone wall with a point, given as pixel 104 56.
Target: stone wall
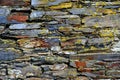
pixel 59 39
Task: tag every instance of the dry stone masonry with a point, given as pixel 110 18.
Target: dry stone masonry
pixel 59 40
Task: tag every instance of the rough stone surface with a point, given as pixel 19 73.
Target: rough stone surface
pixel 59 40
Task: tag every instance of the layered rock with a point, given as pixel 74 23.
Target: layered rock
pixel 59 39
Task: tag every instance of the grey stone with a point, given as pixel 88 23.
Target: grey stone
pixel 55 59
pixel 58 67
pixel 32 71
pixel 4 11
pixel 37 14
pixel 2 29
pixel 113 73
pixel 9 53
pixel 103 21
pixel 29 33
pixel 69 19
pixel 25 26
pixel 41 3
pixel 116 47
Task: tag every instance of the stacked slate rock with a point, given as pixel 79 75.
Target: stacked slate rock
pixel 59 39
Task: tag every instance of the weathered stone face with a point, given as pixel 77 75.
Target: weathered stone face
pixel 59 39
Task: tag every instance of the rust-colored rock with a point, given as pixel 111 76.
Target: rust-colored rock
pixel 18 16
pixel 15 3
pixel 80 64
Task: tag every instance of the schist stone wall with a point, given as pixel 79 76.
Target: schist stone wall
pixel 59 39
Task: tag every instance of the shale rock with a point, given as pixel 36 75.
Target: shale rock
pixel 59 40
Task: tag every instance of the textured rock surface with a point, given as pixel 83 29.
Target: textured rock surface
pixel 59 39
